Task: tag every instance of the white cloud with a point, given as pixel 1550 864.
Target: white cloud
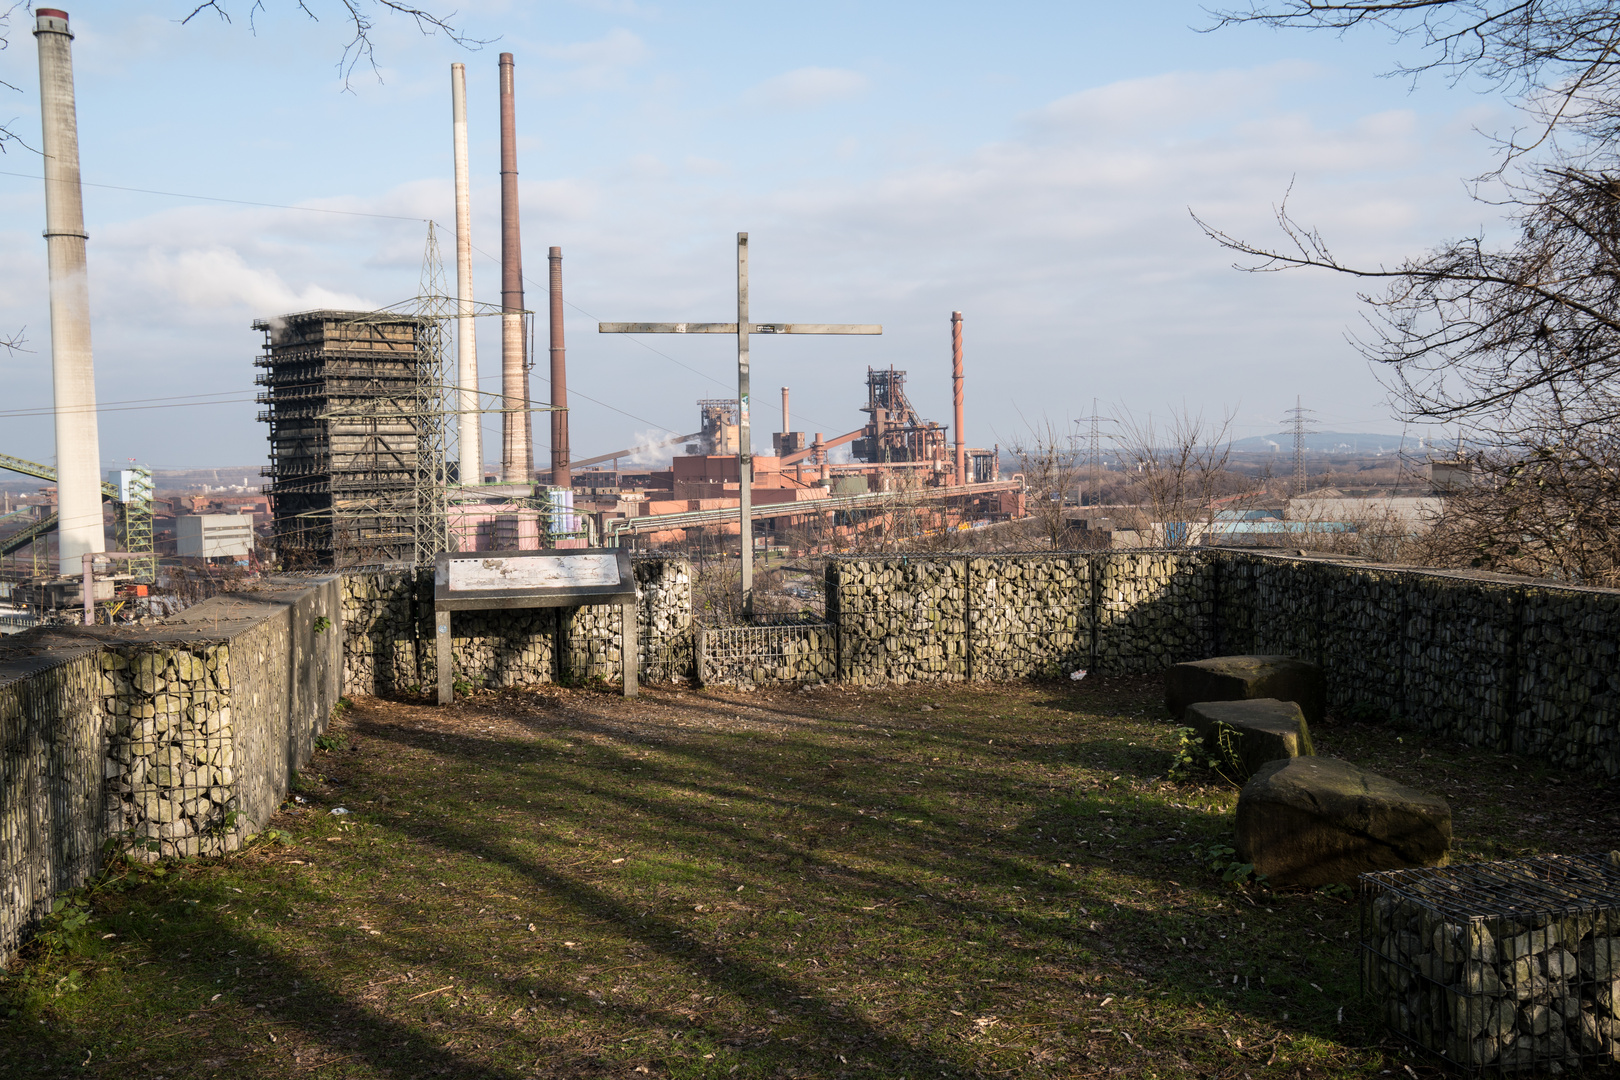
pixel 617 7
pixel 211 281
pixel 603 63
pixel 1066 243
pixel 1170 100
pixel 807 87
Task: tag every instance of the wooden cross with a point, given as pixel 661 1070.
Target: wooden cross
pixel 742 328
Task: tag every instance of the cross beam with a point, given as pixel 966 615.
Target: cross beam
pixel 742 328
pixel 731 328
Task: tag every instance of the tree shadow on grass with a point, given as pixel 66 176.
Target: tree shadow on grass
pixel 938 852
pixel 897 864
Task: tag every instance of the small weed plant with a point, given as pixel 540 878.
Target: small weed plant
pixel 64 928
pixel 1223 860
pixel 1189 760
pixel 1192 762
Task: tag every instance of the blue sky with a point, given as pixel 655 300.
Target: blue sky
pixel 1030 164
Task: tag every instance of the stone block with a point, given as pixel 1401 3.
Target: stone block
pixel 1253 732
pixel 1238 678
pixel 1318 821
pixel 156 808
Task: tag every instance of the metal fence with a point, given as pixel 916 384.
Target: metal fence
pixel 664 660
pixel 793 650
pixel 1499 968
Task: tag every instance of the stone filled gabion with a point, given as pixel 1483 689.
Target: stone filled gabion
pixel 1498 968
pixel 945 618
pixel 752 656
pixel 388 634
pixel 171 755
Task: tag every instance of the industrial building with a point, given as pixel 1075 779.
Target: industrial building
pixel 367 469
pixel 345 392
pixel 214 536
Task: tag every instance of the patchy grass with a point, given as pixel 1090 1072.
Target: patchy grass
pixel 940 881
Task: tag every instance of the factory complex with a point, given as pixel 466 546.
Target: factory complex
pixel 373 423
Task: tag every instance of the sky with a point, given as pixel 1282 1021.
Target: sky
pixel 1032 165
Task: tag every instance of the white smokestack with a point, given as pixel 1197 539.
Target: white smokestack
pixel 469 431
pixel 78 442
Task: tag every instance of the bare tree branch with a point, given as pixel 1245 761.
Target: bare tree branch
pixel 1047 460
pixel 361 19
pixel 1507 340
pixel 1561 58
pixel 8 133
pixel 1177 469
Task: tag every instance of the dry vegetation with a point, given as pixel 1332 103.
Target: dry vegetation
pixel 967 881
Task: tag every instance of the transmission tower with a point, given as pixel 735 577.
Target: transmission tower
pixel 435 309
pixel 1302 424
pixel 1094 454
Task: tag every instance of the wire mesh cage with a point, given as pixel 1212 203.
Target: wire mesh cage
pixel 791 650
pixel 1499 968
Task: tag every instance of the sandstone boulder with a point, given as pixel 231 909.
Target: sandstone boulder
pixel 1319 821
pixel 1239 678
pixel 1251 733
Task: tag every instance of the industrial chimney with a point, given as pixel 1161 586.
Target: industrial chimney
pixel 516 459
pixel 469 430
pixel 956 393
pixel 561 476
pixel 78 442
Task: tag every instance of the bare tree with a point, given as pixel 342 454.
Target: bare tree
pixel 1049 464
pixel 1503 340
pixel 1545 511
pixel 1177 468
pixel 1520 343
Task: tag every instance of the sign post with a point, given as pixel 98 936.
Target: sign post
pixel 495 581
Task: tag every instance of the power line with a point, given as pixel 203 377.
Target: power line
pixel 353 213
pixel 219 199
pixel 176 401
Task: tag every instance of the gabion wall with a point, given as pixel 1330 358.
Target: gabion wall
pixel 1523 667
pixel 172 755
pixel 1153 609
pixel 182 737
pixel 950 618
pixel 389 647
pixel 899 620
pixel 1027 616
pixel 53 748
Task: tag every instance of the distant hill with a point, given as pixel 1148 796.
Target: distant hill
pixel 1333 442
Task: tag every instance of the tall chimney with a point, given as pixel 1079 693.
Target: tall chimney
pixel 469 428
pixel 516 460
pixel 956 392
pixel 784 419
pixel 561 476
pixel 73 373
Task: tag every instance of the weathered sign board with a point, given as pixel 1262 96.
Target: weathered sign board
pixel 504 580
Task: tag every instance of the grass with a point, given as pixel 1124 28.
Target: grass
pixel 979 881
